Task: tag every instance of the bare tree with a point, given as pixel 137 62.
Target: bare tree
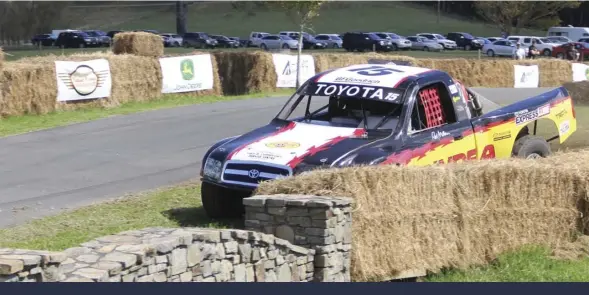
pixel 301 13
pixel 22 19
pixel 512 16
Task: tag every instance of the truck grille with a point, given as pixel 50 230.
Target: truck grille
pixel 252 173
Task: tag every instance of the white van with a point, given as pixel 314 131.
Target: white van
pixel 573 33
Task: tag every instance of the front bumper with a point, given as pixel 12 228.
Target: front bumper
pixel 449 46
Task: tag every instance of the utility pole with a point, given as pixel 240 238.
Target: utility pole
pixel 180 18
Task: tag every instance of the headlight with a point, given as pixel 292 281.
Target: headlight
pixel 87 40
pixel 213 168
pixel 381 42
pixel 208 41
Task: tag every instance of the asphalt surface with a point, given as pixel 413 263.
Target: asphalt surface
pixel 44 172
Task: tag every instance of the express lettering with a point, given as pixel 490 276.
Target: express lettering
pixel 488 153
pixel 354 91
pixel 526 117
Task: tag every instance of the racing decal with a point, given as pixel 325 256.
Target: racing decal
pixel 291 146
pixel 525 116
pixel 453 89
pixel 501 135
pixel 288 127
pixel 367 92
pixel 488 153
pixel 564 127
pixel 437 135
pixel 370 74
pixel 561 114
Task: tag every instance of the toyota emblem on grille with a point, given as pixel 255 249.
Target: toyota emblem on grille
pixel 253 173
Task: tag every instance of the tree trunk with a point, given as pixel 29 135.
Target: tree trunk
pixel 299 52
pixel 180 18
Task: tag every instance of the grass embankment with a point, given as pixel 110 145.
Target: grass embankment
pixel 27 123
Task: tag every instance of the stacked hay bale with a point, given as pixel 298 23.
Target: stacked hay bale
pixel 328 61
pixel 453 215
pixel 138 43
pixel 246 72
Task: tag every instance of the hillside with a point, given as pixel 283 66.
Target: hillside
pixel 221 18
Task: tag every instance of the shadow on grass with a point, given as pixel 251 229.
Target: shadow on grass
pixel 196 217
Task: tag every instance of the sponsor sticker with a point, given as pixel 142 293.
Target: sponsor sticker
pixel 261 155
pixel 524 117
pixel 561 114
pixel 564 127
pixel 453 88
pixel 436 135
pixel 501 135
pixel 456 99
pixel 377 93
pixel 283 145
pixel 356 80
pixel 544 110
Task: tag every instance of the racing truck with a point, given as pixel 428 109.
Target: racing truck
pixel 377 114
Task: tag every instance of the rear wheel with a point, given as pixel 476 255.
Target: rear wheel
pixel 490 53
pixel 547 52
pixel 264 47
pixel 220 202
pixel 467 47
pixel 425 48
pixel 395 47
pixel 531 147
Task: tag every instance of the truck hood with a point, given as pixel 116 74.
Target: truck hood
pixel 292 143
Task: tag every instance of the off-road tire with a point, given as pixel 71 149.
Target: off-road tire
pixel 220 202
pixel 530 147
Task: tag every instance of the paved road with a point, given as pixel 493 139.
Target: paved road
pixel 44 172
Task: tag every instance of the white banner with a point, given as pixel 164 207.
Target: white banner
pixel 526 76
pixel 83 80
pixel 286 69
pixel 186 73
pixel 580 72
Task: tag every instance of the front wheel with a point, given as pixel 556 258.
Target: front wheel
pixel 547 52
pixel 490 53
pixel 220 202
pixel 531 147
pixel 467 47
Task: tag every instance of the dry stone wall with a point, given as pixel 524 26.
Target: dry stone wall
pixel 292 239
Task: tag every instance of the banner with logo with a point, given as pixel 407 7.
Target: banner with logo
pixel 83 80
pixel 286 69
pixel 186 73
pixel 580 72
pixel 526 76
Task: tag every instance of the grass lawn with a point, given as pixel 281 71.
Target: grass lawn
pixel 167 207
pixel 530 264
pixel 27 123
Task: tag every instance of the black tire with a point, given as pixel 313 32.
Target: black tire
pixel 425 48
pixel 395 47
pixel 220 202
pixel 547 52
pixel 530 147
pixel 490 53
pixel 285 46
pixel 467 47
pixel 263 46
pixel 560 55
pixel 335 46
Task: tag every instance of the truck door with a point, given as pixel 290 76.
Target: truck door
pixel 437 134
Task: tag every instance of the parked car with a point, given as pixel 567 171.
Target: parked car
pixel 278 42
pixel 332 40
pixel 225 42
pixel 112 34
pixel 148 31
pixel 484 40
pixel 493 39
pixel 242 42
pixel 101 36
pixel 198 40
pixel 465 40
pixel 561 51
pixel 75 39
pixel 361 41
pixel 500 48
pixel 425 44
pixel 377 114
pixel 397 41
pixel 43 40
pixel 559 39
pixel 255 38
pixel 309 41
pixel 543 45
pixel 447 44
pixel 172 40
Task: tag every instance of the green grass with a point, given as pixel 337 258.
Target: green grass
pixel 27 123
pixel 530 264
pixel 337 17
pixel 167 207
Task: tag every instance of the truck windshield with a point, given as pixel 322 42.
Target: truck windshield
pixel 343 111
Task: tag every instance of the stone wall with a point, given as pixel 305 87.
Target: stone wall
pixel 287 239
pixel 319 223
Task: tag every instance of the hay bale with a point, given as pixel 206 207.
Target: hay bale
pixel 453 215
pixel 328 61
pixel 246 72
pixel 138 43
pixel 27 89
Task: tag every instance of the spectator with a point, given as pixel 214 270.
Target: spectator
pixel 532 50
pixel 519 52
pixel 573 53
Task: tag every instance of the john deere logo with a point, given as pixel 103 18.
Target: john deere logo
pixel 283 145
pixel 187 69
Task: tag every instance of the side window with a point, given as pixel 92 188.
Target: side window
pixel 433 108
pixel 527 40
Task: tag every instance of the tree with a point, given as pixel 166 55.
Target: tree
pixel 180 18
pixel 511 16
pixel 301 13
